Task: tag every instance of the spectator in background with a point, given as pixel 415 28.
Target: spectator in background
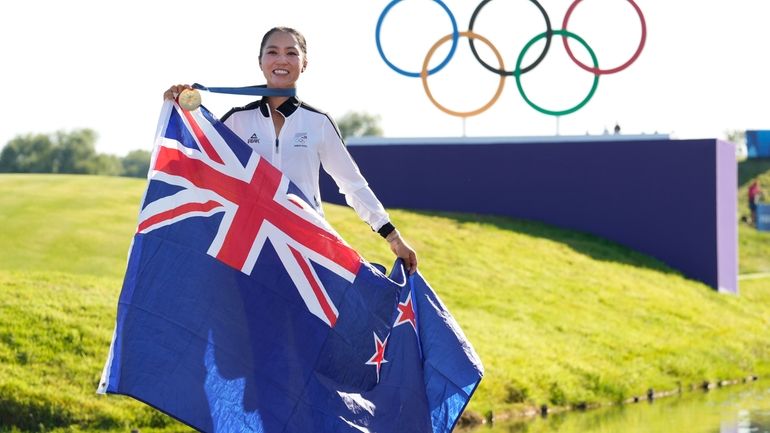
pixel 755 193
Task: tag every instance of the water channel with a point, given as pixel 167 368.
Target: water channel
pixel 743 408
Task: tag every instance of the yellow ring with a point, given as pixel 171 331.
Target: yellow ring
pixel 424 76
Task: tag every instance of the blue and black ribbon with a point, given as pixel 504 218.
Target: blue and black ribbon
pixel 258 90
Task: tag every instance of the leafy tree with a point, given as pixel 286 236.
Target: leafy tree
pixel 736 136
pixel 68 152
pixel 136 163
pixel 28 154
pixel 354 124
pixel 74 151
pixel 105 165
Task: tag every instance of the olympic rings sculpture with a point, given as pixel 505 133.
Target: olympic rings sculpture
pixel 518 71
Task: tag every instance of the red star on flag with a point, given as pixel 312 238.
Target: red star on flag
pixel 406 313
pixel 379 354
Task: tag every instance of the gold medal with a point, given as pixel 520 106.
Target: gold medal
pixel 189 99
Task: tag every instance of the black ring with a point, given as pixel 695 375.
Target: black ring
pixel 549 34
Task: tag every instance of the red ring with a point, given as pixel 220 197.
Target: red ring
pixel 599 71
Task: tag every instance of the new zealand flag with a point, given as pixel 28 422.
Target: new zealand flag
pixel 242 310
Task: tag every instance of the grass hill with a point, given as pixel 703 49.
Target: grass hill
pixel 559 318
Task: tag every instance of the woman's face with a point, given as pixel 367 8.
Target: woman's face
pixel 282 60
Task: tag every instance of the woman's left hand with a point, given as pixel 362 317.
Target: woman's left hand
pixel 405 252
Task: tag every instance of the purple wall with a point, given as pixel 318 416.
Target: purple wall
pixel 672 199
pixel 727 217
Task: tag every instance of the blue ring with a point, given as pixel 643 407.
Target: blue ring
pixel 455 38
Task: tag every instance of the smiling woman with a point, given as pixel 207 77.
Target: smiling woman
pixel 298 139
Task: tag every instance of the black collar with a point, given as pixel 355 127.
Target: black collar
pixel 287 108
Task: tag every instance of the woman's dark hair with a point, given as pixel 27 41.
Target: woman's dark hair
pixel 295 33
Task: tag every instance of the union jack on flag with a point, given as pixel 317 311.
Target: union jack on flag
pixel 242 310
pixel 215 173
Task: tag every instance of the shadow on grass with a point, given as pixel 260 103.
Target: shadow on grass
pixel 590 245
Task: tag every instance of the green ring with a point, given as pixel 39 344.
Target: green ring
pixel 518 76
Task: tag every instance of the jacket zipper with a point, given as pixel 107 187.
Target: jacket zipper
pixel 277 155
pixel 277 150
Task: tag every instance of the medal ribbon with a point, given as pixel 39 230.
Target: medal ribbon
pixel 258 90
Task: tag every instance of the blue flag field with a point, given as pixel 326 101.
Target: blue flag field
pixel 242 310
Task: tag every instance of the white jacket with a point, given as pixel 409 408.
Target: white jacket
pixel 308 139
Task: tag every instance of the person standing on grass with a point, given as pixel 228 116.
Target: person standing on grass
pixel 755 193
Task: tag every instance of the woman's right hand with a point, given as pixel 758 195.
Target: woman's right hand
pixel 175 90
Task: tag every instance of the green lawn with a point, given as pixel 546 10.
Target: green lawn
pixel 558 318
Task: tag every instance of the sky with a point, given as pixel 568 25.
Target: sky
pixel 105 64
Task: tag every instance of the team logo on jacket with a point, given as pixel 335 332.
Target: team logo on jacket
pixel 300 139
pixel 253 139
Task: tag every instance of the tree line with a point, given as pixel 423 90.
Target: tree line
pixel 69 152
pixel 75 152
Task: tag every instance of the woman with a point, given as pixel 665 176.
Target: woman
pixel 298 139
pixel 755 193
